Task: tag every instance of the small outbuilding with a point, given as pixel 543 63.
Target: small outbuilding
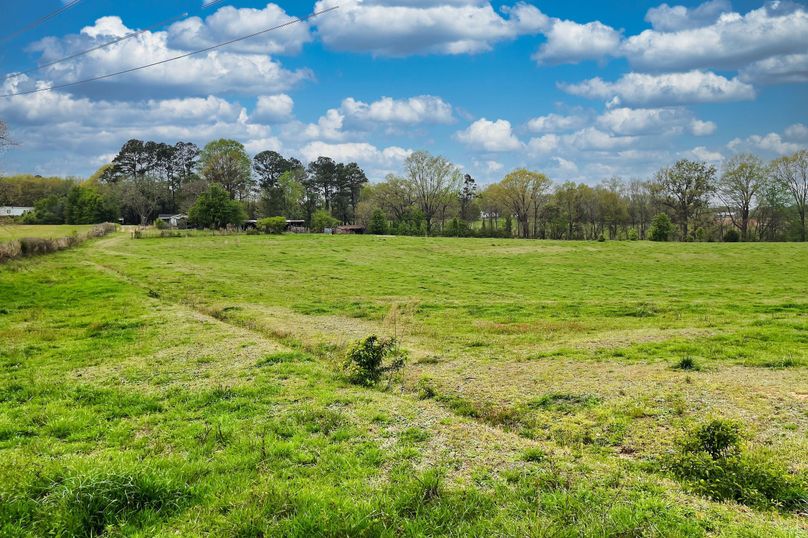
pixel 179 220
pixel 350 229
pixel 8 211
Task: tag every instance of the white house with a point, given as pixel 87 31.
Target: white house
pixel 14 211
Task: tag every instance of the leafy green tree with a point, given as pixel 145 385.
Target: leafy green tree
pixel 86 205
pixel 350 180
pixel 48 210
pixel 25 190
pixel 378 223
pixel 522 190
pixel 322 219
pixel 469 211
pixel 685 188
pixel 226 162
pixel 272 225
pixel 269 166
pixel 661 228
pixel 215 209
pixel 135 159
pixel 323 178
pixel 292 193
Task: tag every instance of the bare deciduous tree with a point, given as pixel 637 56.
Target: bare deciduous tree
pixel 792 173
pixel 142 195
pixel 434 180
pixel 741 181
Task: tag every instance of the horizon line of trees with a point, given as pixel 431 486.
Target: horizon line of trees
pixel 746 196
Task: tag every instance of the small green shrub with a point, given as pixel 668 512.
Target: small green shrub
pixel 687 363
pixel 661 228
pixel 378 223
pixel 713 461
pixel 601 238
pixel 371 358
pixel 322 219
pixel 718 438
pixel 272 225
pixel 426 390
pixel 732 236
pixel 633 235
pixel 160 224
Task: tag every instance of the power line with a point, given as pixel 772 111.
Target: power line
pixel 41 20
pixel 98 47
pixel 181 56
pixel 108 43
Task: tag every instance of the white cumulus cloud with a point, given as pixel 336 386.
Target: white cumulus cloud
pixel 731 42
pixel 664 89
pixel 667 18
pixel 414 110
pixel 489 135
pixel 273 108
pixel 422 27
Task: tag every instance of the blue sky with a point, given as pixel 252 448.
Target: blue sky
pixel 580 90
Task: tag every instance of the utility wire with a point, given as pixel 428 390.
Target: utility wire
pixel 167 60
pixel 108 43
pixel 41 20
pixel 98 47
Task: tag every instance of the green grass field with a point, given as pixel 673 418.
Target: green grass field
pixel 9 232
pixel 191 386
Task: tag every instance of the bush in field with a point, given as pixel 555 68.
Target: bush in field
pixel 272 225
pixel 713 461
pixel 371 358
pixel 732 236
pixel 633 235
pixel 378 223
pixel 215 209
pixel 322 219
pixel 661 228
pixel 160 224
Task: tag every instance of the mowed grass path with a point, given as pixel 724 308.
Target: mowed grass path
pixel 9 232
pixel 190 385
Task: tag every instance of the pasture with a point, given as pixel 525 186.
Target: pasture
pixel 192 386
pixel 9 232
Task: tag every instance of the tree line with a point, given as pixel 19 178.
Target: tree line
pixel 147 178
pixel 744 199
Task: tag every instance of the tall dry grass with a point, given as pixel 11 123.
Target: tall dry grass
pixel 35 246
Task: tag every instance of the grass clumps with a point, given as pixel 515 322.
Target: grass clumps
pixel 534 455
pixel 714 462
pixel 563 402
pixel 283 357
pixel 94 502
pixel 687 363
pixel 371 358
